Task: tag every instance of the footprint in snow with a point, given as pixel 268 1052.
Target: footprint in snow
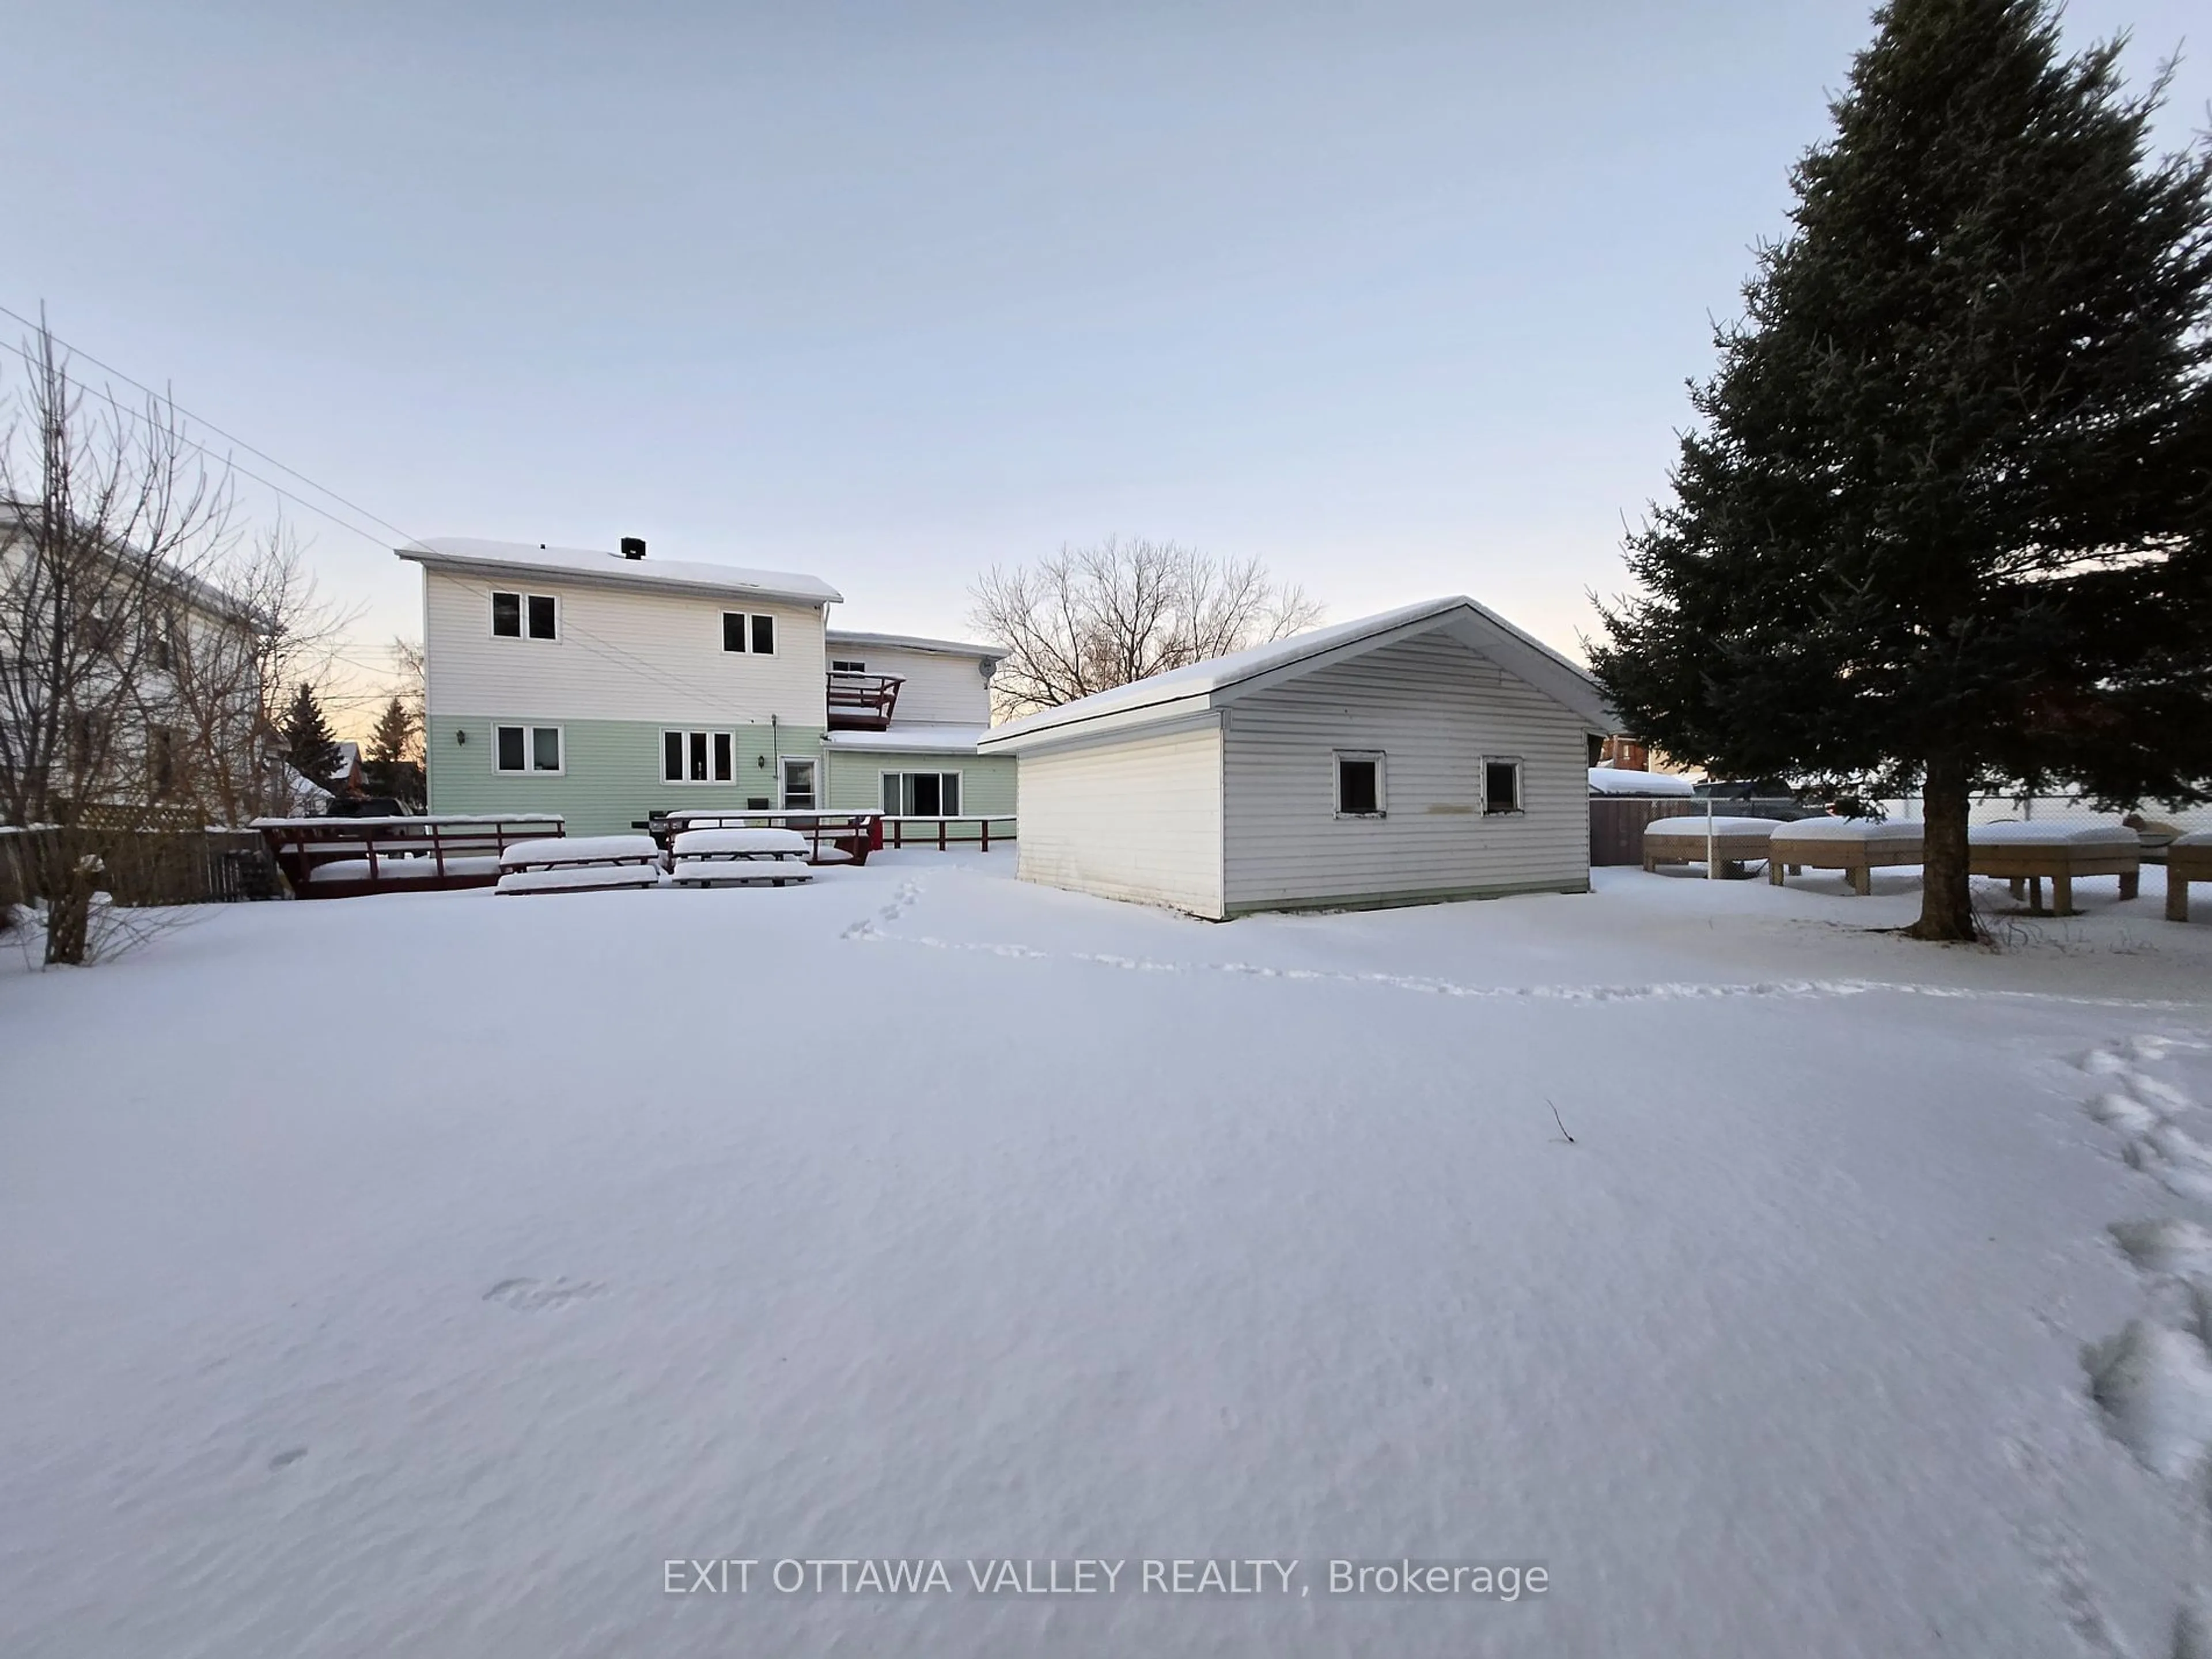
pixel 533 1295
pixel 2152 1383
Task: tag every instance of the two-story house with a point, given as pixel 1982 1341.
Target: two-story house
pixel 605 685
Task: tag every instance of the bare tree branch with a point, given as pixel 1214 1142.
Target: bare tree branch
pixel 1086 619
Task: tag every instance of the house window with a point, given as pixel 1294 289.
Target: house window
pixel 1501 787
pixel 162 759
pixel 847 666
pixel 922 794
pixel 741 632
pixel 698 757
pixel 527 749
pixel 511 611
pixel 1359 783
pixel 799 786
pixel 160 644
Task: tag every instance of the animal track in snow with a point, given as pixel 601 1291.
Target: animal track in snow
pixel 870 932
pixel 533 1295
pixel 901 901
pixel 2152 1382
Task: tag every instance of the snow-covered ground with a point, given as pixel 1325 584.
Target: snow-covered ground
pixel 420 1274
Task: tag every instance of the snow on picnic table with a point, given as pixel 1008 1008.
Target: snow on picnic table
pixel 924 1213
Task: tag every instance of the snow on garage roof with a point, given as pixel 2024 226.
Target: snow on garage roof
pixel 1223 679
pixel 599 565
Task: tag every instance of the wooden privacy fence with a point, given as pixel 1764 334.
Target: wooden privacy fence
pixel 1617 824
pixel 139 866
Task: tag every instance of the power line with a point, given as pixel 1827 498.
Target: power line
pixel 225 460
pixel 6 311
pixel 602 648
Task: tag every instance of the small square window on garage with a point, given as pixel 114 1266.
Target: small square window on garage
pixel 1359 783
pixel 1501 787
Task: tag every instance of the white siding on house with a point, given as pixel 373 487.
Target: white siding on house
pixel 1435 708
pixel 1139 819
pixel 939 690
pixel 621 655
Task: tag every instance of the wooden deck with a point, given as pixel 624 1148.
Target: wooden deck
pixel 353 858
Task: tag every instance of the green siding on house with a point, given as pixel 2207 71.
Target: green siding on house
pixel 611 778
pixel 987 782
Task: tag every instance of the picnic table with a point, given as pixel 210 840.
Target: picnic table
pixel 581 864
pixel 831 837
pixel 738 858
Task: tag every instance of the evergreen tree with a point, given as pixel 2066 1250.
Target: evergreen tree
pixel 1946 524
pixel 394 734
pixel 389 771
pixel 308 743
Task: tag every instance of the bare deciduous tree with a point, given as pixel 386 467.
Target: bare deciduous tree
pixel 111 520
pixel 228 683
pixel 1087 619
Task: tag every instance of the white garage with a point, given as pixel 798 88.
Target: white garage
pixel 1429 753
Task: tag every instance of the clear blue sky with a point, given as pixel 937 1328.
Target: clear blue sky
pixel 1398 298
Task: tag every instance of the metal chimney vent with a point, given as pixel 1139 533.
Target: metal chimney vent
pixel 633 547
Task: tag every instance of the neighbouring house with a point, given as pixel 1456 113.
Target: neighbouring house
pixel 129 685
pixel 606 686
pixel 1432 752
pixel 345 777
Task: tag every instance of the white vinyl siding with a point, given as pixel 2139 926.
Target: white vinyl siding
pixel 1440 712
pixel 1136 818
pixel 940 690
pixel 622 656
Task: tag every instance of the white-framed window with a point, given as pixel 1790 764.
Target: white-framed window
pixel 753 633
pixel 797 784
pixel 538 750
pixel 1501 785
pixel 1361 785
pixel 698 757
pixel 922 794
pixel 525 615
pixel 847 666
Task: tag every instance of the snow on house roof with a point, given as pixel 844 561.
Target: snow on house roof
pixel 599 565
pixel 913 642
pixel 1223 679
pixel 935 739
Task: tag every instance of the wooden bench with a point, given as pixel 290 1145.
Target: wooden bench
pixel 2188 858
pixel 351 857
pixel 1857 847
pixel 2023 854
pixel 738 858
pixel 1723 845
pixel 585 864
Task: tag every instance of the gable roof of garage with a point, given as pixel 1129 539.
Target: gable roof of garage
pixel 1222 680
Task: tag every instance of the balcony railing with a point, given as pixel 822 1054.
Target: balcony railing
pixel 862 703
